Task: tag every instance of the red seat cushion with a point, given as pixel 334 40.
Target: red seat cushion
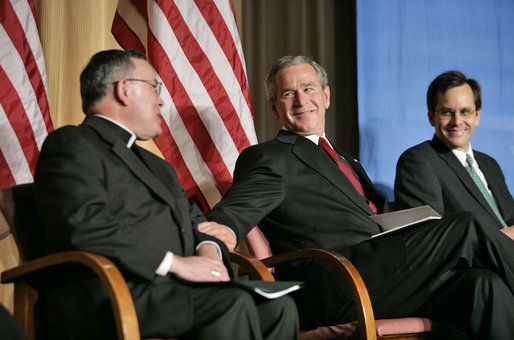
pixel 403 326
pixel 350 330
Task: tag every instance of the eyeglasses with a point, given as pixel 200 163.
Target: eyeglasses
pixel 448 113
pixel 157 85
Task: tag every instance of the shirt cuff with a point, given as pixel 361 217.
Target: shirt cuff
pixel 214 243
pixel 165 265
pixel 232 231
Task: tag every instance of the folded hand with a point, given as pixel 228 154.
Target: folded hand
pixel 199 268
pixel 220 231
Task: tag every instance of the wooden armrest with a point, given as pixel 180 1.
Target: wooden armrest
pixel 121 301
pixel 253 266
pixel 354 280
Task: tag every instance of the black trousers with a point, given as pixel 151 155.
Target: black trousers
pixel 232 313
pixel 81 310
pixel 457 270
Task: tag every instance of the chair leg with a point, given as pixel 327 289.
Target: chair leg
pixel 24 300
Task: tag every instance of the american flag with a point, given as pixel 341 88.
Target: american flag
pixel 24 113
pixel 195 49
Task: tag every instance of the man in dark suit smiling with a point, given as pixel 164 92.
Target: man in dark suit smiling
pixel 446 173
pixel 97 191
pixel 303 192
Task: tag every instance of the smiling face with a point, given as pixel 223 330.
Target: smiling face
pixel 455 131
pixel 300 102
pixel 143 114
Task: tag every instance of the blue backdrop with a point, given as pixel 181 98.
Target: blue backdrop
pixel 402 45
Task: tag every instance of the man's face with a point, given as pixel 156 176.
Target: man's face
pixel 143 115
pixel 455 130
pixel 301 102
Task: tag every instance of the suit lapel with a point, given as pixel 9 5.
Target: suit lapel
pixel 310 154
pixel 462 174
pixel 134 163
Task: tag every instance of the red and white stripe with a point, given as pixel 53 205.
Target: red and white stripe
pixel 195 49
pixel 24 113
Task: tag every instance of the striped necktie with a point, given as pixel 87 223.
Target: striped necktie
pixel 347 169
pixel 483 189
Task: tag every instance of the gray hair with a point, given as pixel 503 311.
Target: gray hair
pixel 285 62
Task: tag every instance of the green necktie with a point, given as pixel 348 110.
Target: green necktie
pixel 483 189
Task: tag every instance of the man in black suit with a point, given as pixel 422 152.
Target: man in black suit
pixel 98 191
pixel 302 196
pixel 436 172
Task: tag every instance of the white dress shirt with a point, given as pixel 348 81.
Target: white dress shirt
pixel 461 156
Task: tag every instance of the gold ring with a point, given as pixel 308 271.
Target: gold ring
pixel 215 273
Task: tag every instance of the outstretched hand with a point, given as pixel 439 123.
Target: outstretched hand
pixel 220 231
pixel 206 266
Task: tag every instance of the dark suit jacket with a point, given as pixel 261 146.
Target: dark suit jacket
pixel 301 199
pixel 429 173
pixel 95 194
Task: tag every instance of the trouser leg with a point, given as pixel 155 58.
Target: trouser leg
pixel 458 248
pixel 233 313
pixel 476 300
pixel 433 253
pixel 462 239
pixel 224 313
pixel 279 318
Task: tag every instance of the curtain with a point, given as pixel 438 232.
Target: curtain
pixel 402 46
pixel 322 29
pixel 71 31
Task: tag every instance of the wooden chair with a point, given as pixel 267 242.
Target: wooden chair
pixel 18 206
pixel 366 327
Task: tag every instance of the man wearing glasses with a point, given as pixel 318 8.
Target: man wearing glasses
pixel 97 191
pixel 446 173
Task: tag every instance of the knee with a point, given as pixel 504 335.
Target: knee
pixel 241 297
pixel 284 306
pixel 286 310
pixel 279 318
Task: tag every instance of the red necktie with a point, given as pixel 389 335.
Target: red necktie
pixel 346 168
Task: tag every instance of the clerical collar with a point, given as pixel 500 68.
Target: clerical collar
pixel 129 139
